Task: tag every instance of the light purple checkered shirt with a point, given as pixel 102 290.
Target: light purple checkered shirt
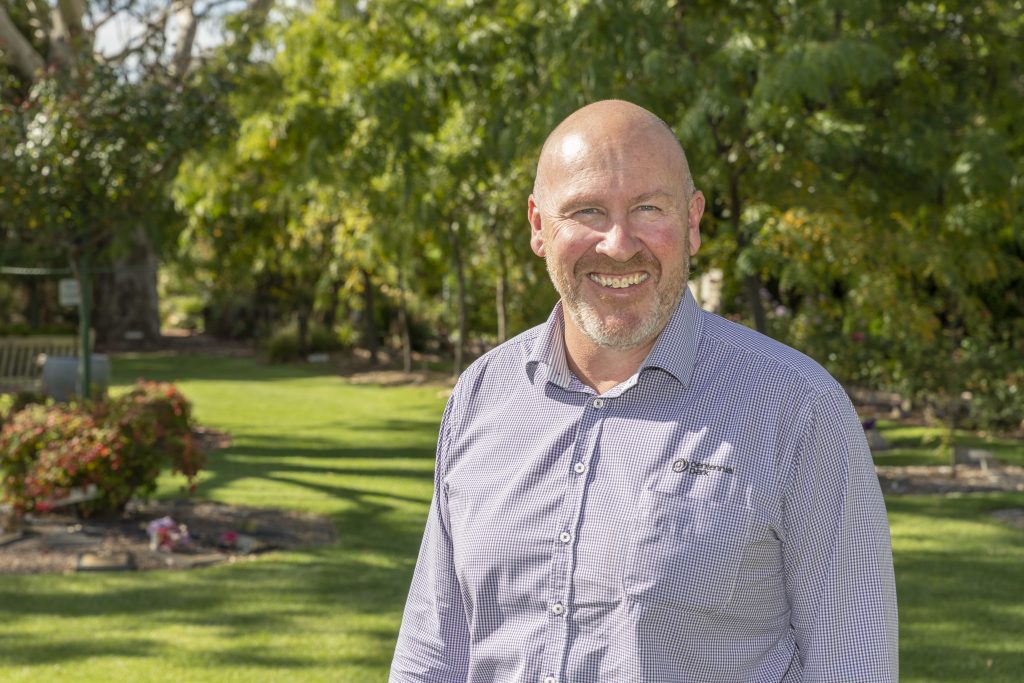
pixel 716 517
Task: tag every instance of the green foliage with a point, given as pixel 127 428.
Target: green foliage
pixel 88 160
pixel 283 345
pixel 119 446
pixel 25 330
pixel 861 162
pixel 13 403
pixel 860 159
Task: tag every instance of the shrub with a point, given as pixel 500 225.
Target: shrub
pixel 323 339
pixel 14 403
pixel 155 422
pixel 283 345
pixel 118 445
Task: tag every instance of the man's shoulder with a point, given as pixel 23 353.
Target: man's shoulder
pixel 504 361
pixel 772 358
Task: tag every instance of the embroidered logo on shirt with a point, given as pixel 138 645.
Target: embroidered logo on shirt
pixel 699 468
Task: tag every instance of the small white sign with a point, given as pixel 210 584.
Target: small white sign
pixel 68 293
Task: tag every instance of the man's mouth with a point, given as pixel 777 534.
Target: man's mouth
pixel 619 281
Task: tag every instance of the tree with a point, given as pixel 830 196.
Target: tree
pixel 97 136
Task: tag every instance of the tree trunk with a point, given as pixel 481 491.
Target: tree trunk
pixel 188 25
pixel 22 55
pixel 369 318
pixel 403 323
pixel 127 305
pixel 303 330
pixel 751 281
pixel 460 277
pixel 329 319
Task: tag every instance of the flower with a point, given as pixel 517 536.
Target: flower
pixel 167 535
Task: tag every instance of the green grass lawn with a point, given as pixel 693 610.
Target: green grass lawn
pixel 363 455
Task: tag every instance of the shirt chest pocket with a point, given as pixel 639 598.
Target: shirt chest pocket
pixel 685 552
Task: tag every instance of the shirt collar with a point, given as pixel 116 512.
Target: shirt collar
pixel 549 350
pixel 675 352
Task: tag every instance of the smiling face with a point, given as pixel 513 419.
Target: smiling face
pixel 614 216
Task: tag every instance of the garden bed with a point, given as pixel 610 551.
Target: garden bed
pixel 941 479
pixel 56 543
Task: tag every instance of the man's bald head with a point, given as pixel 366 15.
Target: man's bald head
pixel 600 122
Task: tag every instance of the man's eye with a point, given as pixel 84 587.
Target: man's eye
pixel 647 207
pixel 590 211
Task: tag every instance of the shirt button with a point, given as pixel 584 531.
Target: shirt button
pixel 598 403
pixel 565 537
pixel 558 609
pixel 550 679
pixel 579 468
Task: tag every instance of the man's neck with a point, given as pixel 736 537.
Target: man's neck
pixel 601 368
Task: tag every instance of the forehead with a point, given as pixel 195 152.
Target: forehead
pixel 633 165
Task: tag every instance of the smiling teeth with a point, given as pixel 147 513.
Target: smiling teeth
pixel 618 282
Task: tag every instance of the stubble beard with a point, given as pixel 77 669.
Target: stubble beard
pixel 633 330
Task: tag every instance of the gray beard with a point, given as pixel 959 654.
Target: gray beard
pixel 620 339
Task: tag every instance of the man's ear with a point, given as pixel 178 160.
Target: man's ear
pixel 536 234
pixel 693 216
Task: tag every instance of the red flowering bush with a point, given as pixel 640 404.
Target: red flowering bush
pixel 119 446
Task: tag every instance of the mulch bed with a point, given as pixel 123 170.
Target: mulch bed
pixel 929 479
pixel 60 541
pixel 54 543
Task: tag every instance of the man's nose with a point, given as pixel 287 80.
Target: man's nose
pixel 618 241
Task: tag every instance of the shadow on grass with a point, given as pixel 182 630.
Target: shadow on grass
pixel 21 652
pixel 314 464
pixel 957 572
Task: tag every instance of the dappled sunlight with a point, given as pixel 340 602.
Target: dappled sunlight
pixel 958 581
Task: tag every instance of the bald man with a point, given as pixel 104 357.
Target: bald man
pixel 637 490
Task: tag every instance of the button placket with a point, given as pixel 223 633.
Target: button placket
pixel 563 560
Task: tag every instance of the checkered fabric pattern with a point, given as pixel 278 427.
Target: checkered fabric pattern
pixel 714 518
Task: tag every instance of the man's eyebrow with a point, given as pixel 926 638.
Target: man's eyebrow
pixel 647 196
pixel 588 199
pixel 578 200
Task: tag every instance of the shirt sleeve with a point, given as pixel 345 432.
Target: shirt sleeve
pixel 433 642
pixel 837 554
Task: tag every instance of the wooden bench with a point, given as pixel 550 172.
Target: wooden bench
pixel 22 358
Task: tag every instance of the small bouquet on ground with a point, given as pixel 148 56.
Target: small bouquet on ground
pixel 167 535
pixel 232 540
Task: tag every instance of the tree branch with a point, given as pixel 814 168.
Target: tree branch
pixel 25 59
